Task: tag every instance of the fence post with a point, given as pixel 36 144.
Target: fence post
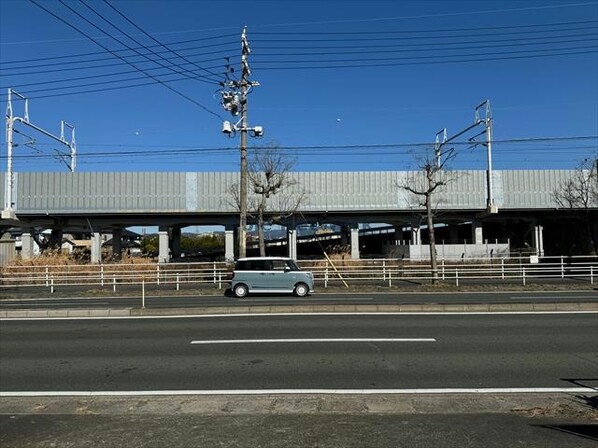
pixel 562 267
pixel 114 282
pixel 52 285
pixel 158 274
pixel 214 272
pixel 390 278
pixel 523 275
pixel 383 270
pixel 220 280
pixel 502 268
pixel 456 276
pixel 443 269
pixel 178 287
pixel 102 275
pixel 591 275
pixel 326 276
pixel 47 276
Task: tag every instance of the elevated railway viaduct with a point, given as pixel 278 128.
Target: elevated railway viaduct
pixel 106 202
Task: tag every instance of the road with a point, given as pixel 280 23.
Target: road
pixel 300 353
pixel 166 301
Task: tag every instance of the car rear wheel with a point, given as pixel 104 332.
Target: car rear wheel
pixel 240 290
pixel 301 289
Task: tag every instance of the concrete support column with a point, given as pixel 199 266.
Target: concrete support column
pixel 539 240
pixel 96 247
pixel 55 239
pixel 355 242
pixel 345 235
pixel 175 242
pixel 117 243
pixel 477 233
pixel 27 243
pixel 163 249
pixel 292 242
pixel 416 238
pixel 398 235
pixel 453 232
pixel 229 243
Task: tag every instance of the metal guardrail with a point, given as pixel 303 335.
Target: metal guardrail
pixel 372 271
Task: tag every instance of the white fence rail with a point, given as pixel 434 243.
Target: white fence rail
pixel 389 272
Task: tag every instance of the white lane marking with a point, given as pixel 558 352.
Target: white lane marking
pixel 553 297
pixel 312 340
pixel 311 300
pixel 487 390
pixel 369 313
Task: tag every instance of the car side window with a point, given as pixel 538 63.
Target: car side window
pixel 279 265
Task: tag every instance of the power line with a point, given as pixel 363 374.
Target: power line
pixel 132 65
pixel 433 46
pixel 263 54
pixel 433 30
pixel 534 51
pixel 544 34
pixel 395 64
pixel 196 76
pixel 179 150
pixel 156 40
pixel 109 58
pixel 104 75
pixel 424 16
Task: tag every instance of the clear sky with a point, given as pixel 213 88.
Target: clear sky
pixel 344 85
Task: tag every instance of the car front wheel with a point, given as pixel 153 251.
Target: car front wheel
pixel 301 289
pixel 240 290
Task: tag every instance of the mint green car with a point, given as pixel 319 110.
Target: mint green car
pixel 270 275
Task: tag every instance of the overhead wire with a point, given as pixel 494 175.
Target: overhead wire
pixel 156 40
pixel 431 30
pixel 170 150
pixel 162 62
pixel 127 62
pixel 97 53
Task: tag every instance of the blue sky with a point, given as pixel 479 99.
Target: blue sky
pixel 399 77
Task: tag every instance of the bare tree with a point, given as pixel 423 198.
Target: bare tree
pixel 274 194
pixel 579 194
pixel 430 179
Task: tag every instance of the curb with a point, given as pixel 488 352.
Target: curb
pixel 290 309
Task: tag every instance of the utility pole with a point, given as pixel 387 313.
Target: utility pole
pixel 234 99
pixel 11 119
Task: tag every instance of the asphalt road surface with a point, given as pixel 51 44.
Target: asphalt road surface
pixel 317 298
pixel 300 352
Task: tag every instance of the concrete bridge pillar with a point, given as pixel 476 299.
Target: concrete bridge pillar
pixel 175 242
pixel 27 243
pixel 453 233
pixel 539 240
pixel 355 242
pixel 292 242
pixel 416 239
pixel 117 243
pixel 477 232
pixel 96 247
pixel 229 243
pixel 163 249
